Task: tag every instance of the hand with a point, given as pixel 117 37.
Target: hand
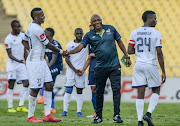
pixel 81 72
pixel 128 62
pixel 23 61
pixel 65 53
pixel 163 77
pixel 78 72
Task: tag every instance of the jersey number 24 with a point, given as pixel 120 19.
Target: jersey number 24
pixel 143 41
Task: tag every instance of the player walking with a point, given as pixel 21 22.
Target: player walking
pixel 148 43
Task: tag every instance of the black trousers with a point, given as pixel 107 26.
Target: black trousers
pixel 101 74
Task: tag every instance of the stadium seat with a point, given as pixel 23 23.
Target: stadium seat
pixel 125 15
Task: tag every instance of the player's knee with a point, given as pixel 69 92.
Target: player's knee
pixel 156 90
pixel 69 90
pixel 79 90
pixel 93 89
pixel 26 83
pixel 49 86
pixel 11 84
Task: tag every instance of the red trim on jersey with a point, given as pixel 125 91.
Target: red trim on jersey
pixel 160 41
pixel 132 40
pixel 6 45
pixel 42 36
pixel 131 44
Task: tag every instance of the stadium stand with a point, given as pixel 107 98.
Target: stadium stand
pixel 66 15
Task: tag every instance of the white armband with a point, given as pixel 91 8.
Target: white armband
pixel 61 51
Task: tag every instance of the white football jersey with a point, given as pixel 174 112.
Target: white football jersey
pixel 37 40
pixel 78 60
pixel 145 40
pixel 15 44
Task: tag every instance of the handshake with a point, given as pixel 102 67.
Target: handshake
pixel 63 53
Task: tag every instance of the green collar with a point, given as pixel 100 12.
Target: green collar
pixel 101 34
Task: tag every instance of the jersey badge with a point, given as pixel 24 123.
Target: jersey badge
pixel 42 36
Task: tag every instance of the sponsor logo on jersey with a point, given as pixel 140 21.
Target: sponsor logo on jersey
pixel 108 30
pixel 160 41
pixel 42 36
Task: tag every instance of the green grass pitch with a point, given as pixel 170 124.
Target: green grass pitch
pixel 165 114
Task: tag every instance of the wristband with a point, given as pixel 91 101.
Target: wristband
pixel 61 51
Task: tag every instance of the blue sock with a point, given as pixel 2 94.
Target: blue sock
pixel 52 104
pixel 94 101
pixel 42 90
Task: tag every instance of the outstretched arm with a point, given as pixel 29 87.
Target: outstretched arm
pixel 77 49
pixel 55 49
pixel 161 63
pixel 122 47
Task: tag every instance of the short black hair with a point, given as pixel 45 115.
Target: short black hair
pixel 78 29
pixel 145 15
pixel 33 10
pixel 13 22
pixel 50 30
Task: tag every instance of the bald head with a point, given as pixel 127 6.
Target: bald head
pixel 96 22
pixel 95 15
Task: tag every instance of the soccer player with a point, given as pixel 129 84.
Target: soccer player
pixel 145 42
pixel 102 40
pixel 55 64
pixel 38 71
pixel 75 63
pixel 15 68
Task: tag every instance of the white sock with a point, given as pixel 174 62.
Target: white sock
pixel 23 95
pixel 66 100
pixel 32 106
pixel 10 97
pixel 47 102
pixel 153 102
pixel 140 108
pixel 79 102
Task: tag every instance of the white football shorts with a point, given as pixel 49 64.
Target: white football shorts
pixel 72 79
pixel 145 75
pixel 18 73
pixel 38 73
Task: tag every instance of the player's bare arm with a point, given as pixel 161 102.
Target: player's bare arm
pixel 25 54
pixel 55 49
pixel 12 57
pixel 161 63
pixel 91 55
pixel 71 66
pixel 131 49
pixel 77 49
pixel 53 60
pixel 26 44
pixel 88 61
pixel 122 47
